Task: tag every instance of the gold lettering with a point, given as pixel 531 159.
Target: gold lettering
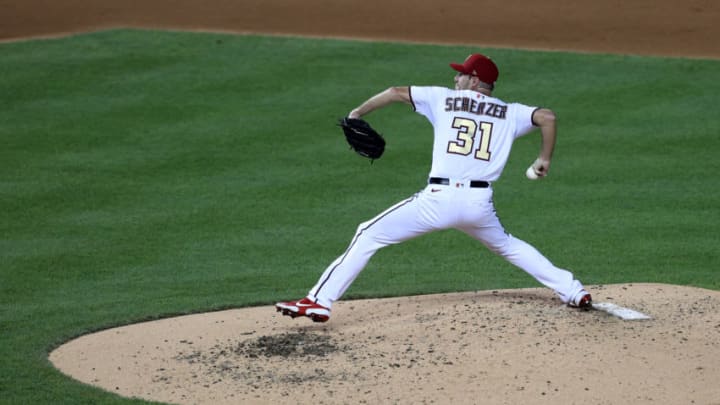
pixel 467 104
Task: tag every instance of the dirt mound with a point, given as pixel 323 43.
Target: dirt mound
pixel 506 347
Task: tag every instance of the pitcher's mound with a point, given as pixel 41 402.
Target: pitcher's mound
pixel 490 347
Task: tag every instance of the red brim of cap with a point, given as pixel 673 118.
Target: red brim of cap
pixel 460 68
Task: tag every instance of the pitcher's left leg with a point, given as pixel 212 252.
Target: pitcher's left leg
pixel 396 224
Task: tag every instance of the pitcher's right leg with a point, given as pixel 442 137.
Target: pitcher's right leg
pixel 523 255
pixel 526 257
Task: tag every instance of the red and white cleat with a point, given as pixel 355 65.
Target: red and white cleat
pixel 304 307
pixel 582 300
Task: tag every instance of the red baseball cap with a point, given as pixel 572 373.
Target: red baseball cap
pixel 479 66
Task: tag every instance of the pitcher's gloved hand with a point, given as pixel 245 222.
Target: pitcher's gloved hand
pixel 362 138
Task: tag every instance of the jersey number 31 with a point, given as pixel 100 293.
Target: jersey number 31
pixel 468 131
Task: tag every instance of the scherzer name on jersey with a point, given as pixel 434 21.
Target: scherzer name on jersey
pixel 467 104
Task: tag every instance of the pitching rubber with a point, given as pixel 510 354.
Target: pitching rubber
pixel 623 313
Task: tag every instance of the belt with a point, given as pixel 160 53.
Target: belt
pixel 444 181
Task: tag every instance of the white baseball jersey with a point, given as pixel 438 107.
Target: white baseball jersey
pixel 473 132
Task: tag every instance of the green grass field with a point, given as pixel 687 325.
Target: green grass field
pixel 146 174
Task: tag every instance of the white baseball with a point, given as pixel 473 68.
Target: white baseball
pixel 531 174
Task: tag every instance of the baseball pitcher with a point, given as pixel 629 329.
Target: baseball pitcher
pixel 473 135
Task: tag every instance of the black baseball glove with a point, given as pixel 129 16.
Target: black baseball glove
pixel 362 138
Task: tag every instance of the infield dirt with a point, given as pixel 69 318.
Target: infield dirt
pixel 492 347
pixel 488 347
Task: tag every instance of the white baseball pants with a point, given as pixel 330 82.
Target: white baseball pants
pixel 438 207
